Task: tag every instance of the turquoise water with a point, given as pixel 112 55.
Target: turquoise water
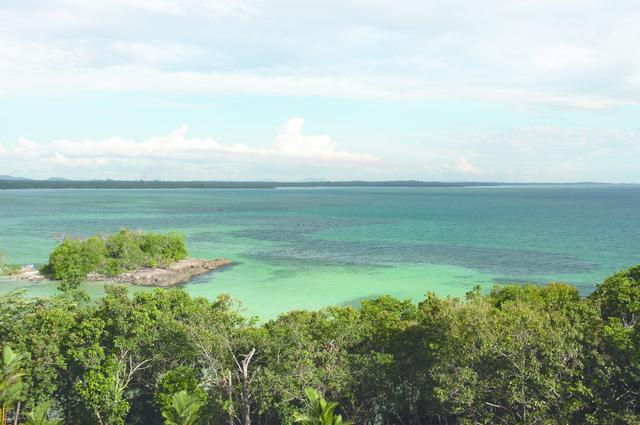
pixel 308 248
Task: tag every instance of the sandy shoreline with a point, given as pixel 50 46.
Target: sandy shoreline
pixel 179 272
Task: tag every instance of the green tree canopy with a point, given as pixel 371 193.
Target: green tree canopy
pixel 519 354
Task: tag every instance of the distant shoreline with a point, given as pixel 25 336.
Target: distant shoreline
pixel 159 184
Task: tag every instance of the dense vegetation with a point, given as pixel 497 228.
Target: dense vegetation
pixel 111 255
pixel 519 354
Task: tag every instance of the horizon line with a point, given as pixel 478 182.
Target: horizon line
pixel 56 181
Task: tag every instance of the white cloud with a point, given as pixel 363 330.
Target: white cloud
pixel 535 154
pixel 521 52
pixel 465 166
pixel 37 57
pixel 141 77
pixel 170 7
pixel 64 161
pixel 572 168
pixel 442 164
pixel 291 144
pixel 560 54
pixel 137 52
pixel 531 154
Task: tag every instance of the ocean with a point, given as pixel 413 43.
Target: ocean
pixel 309 248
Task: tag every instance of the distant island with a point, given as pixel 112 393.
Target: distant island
pixel 9 182
pixel 127 256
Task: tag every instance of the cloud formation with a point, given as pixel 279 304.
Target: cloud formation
pixel 535 154
pixel 291 146
pixel 519 91
pixel 292 142
pixel 561 52
pixel 182 7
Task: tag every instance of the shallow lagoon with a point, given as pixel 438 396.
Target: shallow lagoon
pixel 307 248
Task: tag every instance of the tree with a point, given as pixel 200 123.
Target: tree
pixel 103 388
pixel 184 410
pixel 516 363
pixel 307 349
pixel 182 378
pixel 519 354
pixel 619 296
pixel 70 262
pixel 219 335
pixel 10 382
pixel 243 362
pixel 319 411
pixel 39 415
pixel 99 390
pixel 617 378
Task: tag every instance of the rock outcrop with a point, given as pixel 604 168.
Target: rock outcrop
pixel 179 272
pixel 29 273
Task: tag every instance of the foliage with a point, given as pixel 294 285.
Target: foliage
pixel 100 389
pixel 618 301
pixel 619 296
pixel 517 354
pixel 318 411
pixel 180 379
pixel 125 250
pixel 39 415
pixel 184 409
pixel 10 381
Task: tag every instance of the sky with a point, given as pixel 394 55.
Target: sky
pixel 457 90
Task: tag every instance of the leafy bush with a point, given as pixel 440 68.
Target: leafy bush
pixel 75 258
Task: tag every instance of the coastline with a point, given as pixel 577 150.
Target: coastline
pixel 177 273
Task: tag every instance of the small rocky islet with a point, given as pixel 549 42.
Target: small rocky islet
pixel 133 257
pixel 177 273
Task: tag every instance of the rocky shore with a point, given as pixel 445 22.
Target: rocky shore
pixel 29 273
pixel 179 272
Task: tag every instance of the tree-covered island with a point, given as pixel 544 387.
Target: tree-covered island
pixel 142 258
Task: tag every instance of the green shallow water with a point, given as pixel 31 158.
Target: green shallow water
pixel 308 248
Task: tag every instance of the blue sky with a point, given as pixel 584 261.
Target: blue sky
pixel 517 90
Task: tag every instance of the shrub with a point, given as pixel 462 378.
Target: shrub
pixel 74 258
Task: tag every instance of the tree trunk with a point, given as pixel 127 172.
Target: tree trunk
pixel 15 420
pixel 246 391
pixel 230 398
